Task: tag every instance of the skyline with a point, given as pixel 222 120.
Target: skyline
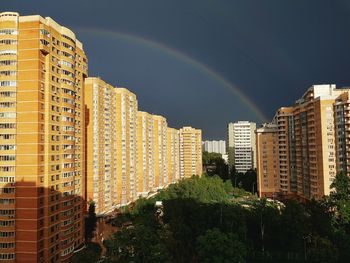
pixel 102 153
pixel 275 48
pixel 69 141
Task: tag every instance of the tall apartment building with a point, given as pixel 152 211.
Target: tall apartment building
pixel 190 152
pixel 101 155
pixel 267 160
pixel 145 153
pixel 160 158
pixel 315 141
pixel 312 141
pixel 126 151
pixel 241 145
pixel 42 73
pixel 173 146
pixel 214 146
pixel 286 150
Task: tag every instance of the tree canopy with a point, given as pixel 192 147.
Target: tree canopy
pixel 202 221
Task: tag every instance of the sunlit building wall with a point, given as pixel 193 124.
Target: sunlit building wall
pixel 312 142
pixel 173 146
pixel 42 73
pixel 145 153
pixel 160 152
pixel 190 152
pixel 268 183
pixel 286 150
pixel 126 135
pixel 315 141
pixel 101 155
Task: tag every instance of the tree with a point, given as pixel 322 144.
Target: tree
pixel 214 164
pixel 247 180
pixel 322 251
pixel 143 241
pixel 339 204
pixel 90 222
pixel 217 247
pixel 90 254
pixel 340 199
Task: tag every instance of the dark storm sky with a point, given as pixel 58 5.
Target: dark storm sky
pixel 271 50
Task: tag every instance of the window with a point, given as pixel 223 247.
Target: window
pixel 7 245
pixel 8 83
pixel 6 212
pixel 7 223
pixel 7 94
pixel 7 157
pixel 9 256
pixel 8 32
pixel 7 104
pixel 8 42
pixel 6 201
pixel 8 52
pixel 8 62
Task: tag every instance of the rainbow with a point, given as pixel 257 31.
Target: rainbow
pixel 233 89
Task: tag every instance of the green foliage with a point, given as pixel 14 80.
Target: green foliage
pixel 322 251
pixel 217 247
pixel 204 219
pixel 210 158
pixel 204 189
pixel 142 241
pixel 90 222
pixel 90 254
pixel 340 199
pixel 215 165
pixel 247 181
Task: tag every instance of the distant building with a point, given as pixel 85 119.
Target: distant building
pixel 241 145
pixel 190 152
pixel 214 146
pixel 225 157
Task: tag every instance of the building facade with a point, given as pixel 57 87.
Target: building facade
pixel 241 145
pixel 101 157
pixel 312 142
pixel 173 146
pixel 66 139
pixel 145 153
pixel 190 152
pixel 160 153
pixel 214 146
pixel 42 72
pixel 267 160
pixel 126 136
pixel 286 150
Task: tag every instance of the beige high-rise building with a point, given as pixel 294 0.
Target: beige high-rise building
pixel 65 138
pixel 126 149
pixel 42 72
pixel 145 152
pixel 312 142
pixel 267 160
pixel 101 155
pixel 190 152
pixel 342 131
pixel 315 141
pixel 173 155
pixel 160 152
pixel 286 150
